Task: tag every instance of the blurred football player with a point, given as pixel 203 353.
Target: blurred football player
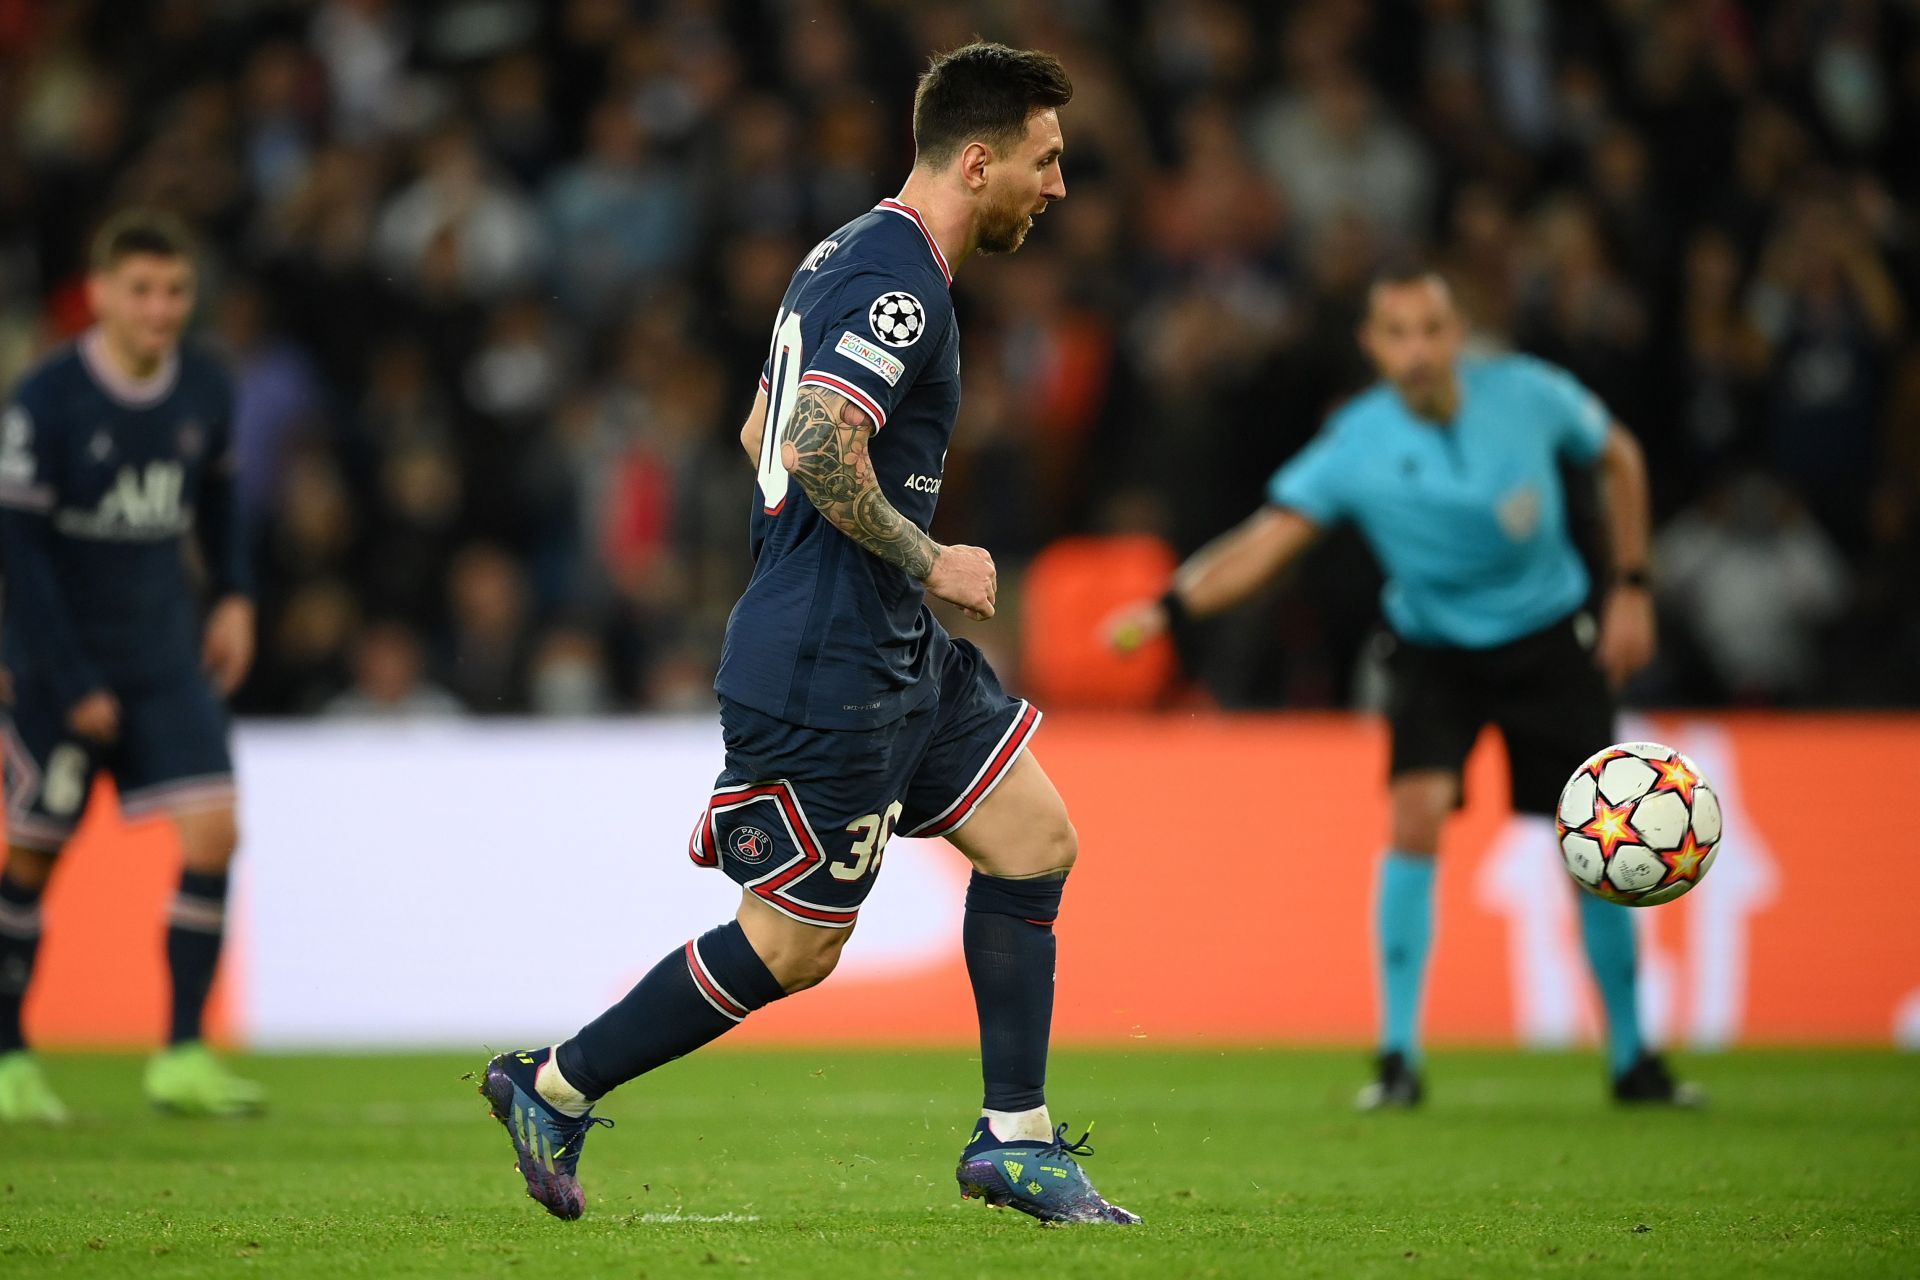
pixel 112 453
pixel 847 711
pixel 1450 467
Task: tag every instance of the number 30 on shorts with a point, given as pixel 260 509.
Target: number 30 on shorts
pixel 863 859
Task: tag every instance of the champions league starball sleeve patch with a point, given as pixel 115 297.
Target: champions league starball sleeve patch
pixel 897 319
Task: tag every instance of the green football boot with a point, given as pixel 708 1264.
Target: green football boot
pixel 187 1080
pixel 24 1095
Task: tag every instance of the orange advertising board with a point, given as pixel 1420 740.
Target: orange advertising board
pixel 1224 889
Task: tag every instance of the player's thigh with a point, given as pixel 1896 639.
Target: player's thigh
pixel 800 818
pixel 1022 829
pixel 49 773
pixel 173 759
pixel 978 785
pixel 1558 712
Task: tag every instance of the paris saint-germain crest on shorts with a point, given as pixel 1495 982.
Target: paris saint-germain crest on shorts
pixel 751 844
pixel 897 319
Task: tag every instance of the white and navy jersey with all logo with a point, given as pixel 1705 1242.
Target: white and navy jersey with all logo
pixel 101 480
pixel 828 635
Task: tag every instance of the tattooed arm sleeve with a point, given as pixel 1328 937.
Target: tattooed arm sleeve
pixel 824 447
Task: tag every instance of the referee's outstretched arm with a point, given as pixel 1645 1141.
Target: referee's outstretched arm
pixel 1221 574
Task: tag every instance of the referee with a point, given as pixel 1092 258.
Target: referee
pixel 1450 468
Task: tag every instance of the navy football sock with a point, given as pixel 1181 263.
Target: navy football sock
pixel 694 995
pixel 1008 937
pixel 19 942
pixel 195 926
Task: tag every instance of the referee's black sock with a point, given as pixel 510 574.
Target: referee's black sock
pixel 196 925
pixel 19 943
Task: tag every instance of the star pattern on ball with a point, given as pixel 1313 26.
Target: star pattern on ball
pixel 1684 863
pixel 1601 761
pixel 1676 776
pixel 1611 826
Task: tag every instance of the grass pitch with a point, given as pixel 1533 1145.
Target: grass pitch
pixel 839 1162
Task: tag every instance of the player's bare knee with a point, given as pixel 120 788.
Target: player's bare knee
pixel 797 955
pixel 208 839
pixel 805 961
pixel 29 868
pixel 1063 845
pixel 1045 845
pixel 1420 808
pixel 1417 830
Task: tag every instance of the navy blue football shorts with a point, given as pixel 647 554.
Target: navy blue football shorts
pixel 801 817
pixel 171 756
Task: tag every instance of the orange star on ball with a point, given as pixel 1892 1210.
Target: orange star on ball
pixel 1611 826
pixel 1684 863
pixel 1601 761
pixel 1676 776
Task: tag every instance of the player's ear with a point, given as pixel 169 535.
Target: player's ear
pixel 974 159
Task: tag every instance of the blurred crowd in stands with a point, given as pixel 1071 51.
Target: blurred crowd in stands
pixel 496 276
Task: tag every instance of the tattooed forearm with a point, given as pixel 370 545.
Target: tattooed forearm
pixel 825 449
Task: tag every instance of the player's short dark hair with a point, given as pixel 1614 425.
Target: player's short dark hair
pixel 983 92
pixel 136 231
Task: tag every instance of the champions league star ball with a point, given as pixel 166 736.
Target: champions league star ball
pixel 1638 824
pixel 897 319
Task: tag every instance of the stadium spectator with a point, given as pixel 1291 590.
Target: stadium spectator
pixel 503 274
pixel 1752 578
pixel 389 681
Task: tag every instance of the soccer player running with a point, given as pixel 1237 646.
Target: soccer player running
pixel 112 452
pixel 847 711
pixel 1449 466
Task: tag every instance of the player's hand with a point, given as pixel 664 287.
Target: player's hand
pixel 96 717
pixel 1137 625
pixel 227 649
pixel 1626 633
pixel 965 576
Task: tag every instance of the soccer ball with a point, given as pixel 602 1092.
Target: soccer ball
pixel 1638 824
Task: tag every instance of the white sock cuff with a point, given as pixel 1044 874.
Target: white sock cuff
pixel 1019 1126
pixel 551 1083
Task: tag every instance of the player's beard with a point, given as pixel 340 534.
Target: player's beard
pixel 1005 230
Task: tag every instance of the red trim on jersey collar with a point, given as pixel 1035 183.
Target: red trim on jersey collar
pixel 908 211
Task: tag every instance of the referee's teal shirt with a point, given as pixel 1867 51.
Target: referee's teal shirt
pixel 1467 518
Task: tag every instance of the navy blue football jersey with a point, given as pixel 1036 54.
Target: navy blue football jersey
pixel 827 635
pixel 101 481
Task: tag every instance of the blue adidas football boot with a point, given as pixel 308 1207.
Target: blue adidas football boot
pixel 1040 1179
pixel 546 1142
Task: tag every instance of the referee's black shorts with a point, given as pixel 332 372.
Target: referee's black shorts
pixel 1542 691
